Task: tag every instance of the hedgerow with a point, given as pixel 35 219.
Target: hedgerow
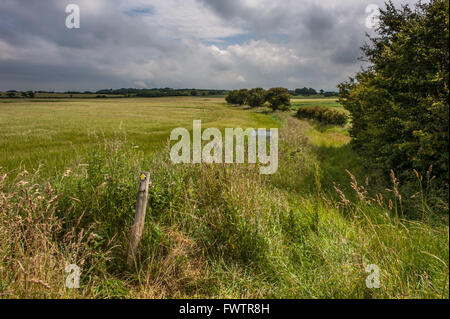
pixel 323 114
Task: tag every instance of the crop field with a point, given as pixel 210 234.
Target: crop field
pixel 55 132
pixel 211 231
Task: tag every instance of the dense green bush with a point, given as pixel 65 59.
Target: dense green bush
pixel 305 91
pixel 323 114
pixel 232 97
pixel 279 98
pixel 256 97
pixel 399 105
pixel 239 97
pixel 242 96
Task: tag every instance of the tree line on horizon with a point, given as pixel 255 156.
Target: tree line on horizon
pixel 153 92
pixel 123 92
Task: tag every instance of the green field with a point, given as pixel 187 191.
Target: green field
pixel 330 102
pixel 54 132
pixel 211 231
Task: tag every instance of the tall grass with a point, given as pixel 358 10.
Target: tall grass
pixel 214 230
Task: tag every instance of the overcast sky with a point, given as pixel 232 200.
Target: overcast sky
pixel 181 43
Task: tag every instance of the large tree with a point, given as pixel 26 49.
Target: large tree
pixel 399 105
pixel 256 97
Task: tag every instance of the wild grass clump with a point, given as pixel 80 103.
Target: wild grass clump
pixel 323 114
pixel 36 243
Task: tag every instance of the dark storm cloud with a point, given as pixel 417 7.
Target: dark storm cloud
pixel 28 75
pixel 180 43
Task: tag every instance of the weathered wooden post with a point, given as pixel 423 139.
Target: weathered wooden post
pixel 139 218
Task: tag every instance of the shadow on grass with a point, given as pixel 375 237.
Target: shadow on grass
pixel 335 161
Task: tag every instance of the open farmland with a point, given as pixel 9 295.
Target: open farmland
pixel 330 102
pixel 55 132
pixel 211 231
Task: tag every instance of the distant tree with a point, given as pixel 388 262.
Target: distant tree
pixel 239 97
pixel 321 91
pixel 305 91
pixel 194 93
pixel 330 94
pixel 311 91
pixel 242 96
pixel 11 94
pixel 256 97
pixel 232 97
pixel 279 98
pixel 28 94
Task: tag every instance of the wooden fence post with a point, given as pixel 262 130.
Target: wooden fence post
pixel 139 218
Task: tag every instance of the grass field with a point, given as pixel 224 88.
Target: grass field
pixel 330 102
pixel 53 132
pixel 212 231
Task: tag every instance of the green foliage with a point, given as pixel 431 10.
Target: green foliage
pixel 242 96
pixel 305 91
pixel 399 105
pixel 323 114
pixel 232 97
pixel 330 94
pixel 239 97
pixel 256 97
pixel 279 98
pixel 28 94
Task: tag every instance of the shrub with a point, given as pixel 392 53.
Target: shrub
pixel 242 96
pixel 323 114
pixel 279 98
pixel 239 97
pixel 256 97
pixel 232 97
